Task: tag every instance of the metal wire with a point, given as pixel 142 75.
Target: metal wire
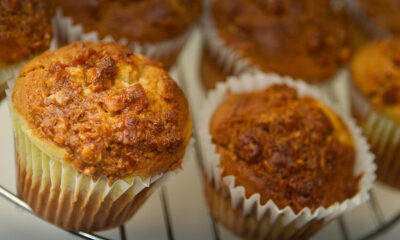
pixel 165 211
pixel 199 156
pixel 382 225
pixel 14 199
pixel 122 232
pixel 343 228
pixel 383 228
pixel 376 209
pixel 89 236
pixel 21 204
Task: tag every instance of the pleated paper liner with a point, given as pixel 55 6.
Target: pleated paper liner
pixel 383 133
pixel 165 51
pixel 220 60
pixel 247 217
pixel 61 195
pixel 247 226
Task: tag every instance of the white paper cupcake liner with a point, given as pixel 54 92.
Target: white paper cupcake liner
pixel 383 134
pixel 62 195
pixel 256 80
pixel 71 32
pixel 365 21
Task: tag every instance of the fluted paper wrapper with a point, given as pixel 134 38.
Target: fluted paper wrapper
pixel 230 62
pixel 383 133
pixel 63 196
pixel 248 215
pixel 165 51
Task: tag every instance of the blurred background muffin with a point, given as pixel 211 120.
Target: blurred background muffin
pixel 25 30
pixel 375 97
pixel 97 128
pixel 379 17
pixel 309 39
pixel 149 23
pixel 278 161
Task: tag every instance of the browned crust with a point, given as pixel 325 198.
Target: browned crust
pixel 286 148
pixel 143 21
pixel 25 29
pixel 115 114
pixel 302 39
pixel 248 227
pixel 384 13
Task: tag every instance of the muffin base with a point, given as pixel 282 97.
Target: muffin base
pixel 383 134
pixel 247 226
pixel 77 212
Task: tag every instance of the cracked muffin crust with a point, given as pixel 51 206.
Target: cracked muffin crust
pixel 137 20
pixel 289 149
pixel 110 112
pixel 25 29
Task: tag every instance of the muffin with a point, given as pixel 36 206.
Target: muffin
pixel 272 148
pixel 302 39
pixel 380 17
pixel 375 97
pixel 98 128
pixel 25 30
pixel 156 28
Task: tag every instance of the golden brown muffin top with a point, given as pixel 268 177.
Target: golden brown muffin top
pixel 293 150
pixel 136 20
pixel 304 39
pixel 384 13
pixel 115 113
pixel 25 29
pixel 376 73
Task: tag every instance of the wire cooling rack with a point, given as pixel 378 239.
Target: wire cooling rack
pixel 188 82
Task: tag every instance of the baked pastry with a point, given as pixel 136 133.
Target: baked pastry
pixel 285 148
pixel 271 151
pixel 142 22
pixel 25 30
pixel 97 128
pixel 383 15
pixel 303 39
pixel 375 97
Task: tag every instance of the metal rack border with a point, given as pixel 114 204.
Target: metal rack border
pixel 382 225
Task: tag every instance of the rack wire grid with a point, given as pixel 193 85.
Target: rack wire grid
pixel 187 74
